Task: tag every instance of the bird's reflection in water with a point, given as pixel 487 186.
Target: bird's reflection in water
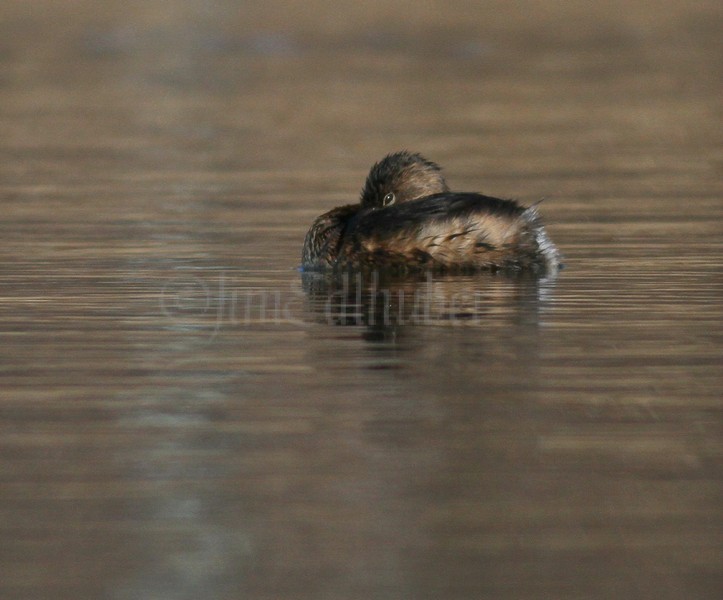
pixel 387 305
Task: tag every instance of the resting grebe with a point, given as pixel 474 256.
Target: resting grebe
pixel 407 219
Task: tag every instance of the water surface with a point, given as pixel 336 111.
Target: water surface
pixel 183 415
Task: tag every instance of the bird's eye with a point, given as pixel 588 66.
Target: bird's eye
pixel 388 199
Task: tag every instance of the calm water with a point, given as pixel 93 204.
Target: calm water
pixel 182 415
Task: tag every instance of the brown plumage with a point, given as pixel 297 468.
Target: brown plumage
pixel 407 219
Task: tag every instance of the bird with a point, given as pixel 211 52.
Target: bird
pixel 407 219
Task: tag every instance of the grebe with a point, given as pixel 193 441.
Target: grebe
pixel 407 219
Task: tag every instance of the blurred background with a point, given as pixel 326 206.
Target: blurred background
pixel 182 416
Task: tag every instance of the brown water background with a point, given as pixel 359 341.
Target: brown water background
pixel 182 416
